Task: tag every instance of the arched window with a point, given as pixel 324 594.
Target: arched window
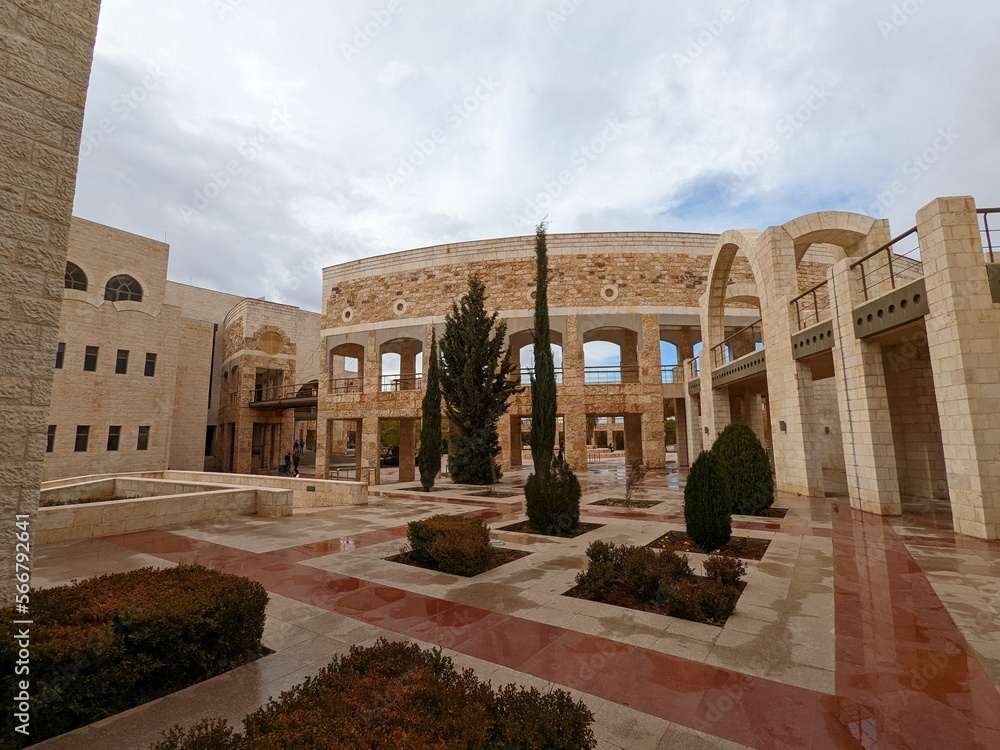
pixel 75 277
pixel 123 289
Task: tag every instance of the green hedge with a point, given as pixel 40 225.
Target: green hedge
pixel 397 695
pixel 451 544
pixel 109 643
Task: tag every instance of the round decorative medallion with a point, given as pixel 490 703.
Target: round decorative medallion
pixel 348 315
pixel 609 293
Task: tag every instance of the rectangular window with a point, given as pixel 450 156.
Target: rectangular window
pixel 114 436
pixel 121 364
pixel 82 436
pixel 90 359
pixel 209 439
pixel 143 443
pixel 150 365
pixel 50 442
pixel 60 355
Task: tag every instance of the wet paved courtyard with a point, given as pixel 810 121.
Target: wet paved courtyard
pixel 853 630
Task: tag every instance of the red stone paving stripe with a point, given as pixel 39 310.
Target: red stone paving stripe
pixel 898 650
pixel 905 676
pixel 659 684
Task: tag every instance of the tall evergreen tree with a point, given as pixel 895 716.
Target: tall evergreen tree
pixel 543 382
pixel 477 384
pixel 429 455
pixel 552 492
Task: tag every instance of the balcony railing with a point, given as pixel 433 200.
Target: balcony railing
pixel 694 369
pixel 279 392
pixel 990 235
pixel 528 372
pixel 395 383
pixel 340 386
pixel 886 268
pixel 671 374
pixel 722 354
pixel 611 375
pixel 812 306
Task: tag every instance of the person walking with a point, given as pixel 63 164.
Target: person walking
pixel 288 463
pixel 295 461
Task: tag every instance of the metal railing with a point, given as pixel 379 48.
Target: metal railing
pixel 528 372
pixel 885 269
pixel 364 474
pixel 671 374
pixel 722 353
pixel 694 371
pixel 395 383
pixel 812 306
pixel 611 375
pixel 277 392
pixel 340 386
pixel 990 235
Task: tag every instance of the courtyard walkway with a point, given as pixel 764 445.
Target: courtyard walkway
pixel 853 631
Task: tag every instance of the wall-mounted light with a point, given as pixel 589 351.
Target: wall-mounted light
pixel 827 430
pixel 782 426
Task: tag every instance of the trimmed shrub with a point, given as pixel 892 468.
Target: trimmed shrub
pixel 623 572
pixel 552 501
pixel 451 544
pixel 707 506
pixel 727 570
pixel 109 643
pixel 643 578
pixel 400 696
pixel 745 468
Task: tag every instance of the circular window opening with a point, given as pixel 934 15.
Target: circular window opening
pixel 609 293
pixel 399 306
pixel 271 343
pixel 347 315
pixel 532 295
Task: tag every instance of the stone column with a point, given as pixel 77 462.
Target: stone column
pixel 514 432
pixel 373 370
pixel 680 425
pixel 46 67
pixel 572 400
pixel 407 449
pixel 651 380
pixel 963 337
pixel 324 439
pixel 367 447
pixel 692 414
pixel 633 438
pixel 505 436
pixel 866 423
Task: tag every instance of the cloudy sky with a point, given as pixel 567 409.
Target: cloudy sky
pixel 265 140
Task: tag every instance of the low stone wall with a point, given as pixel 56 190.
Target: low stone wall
pixel 306 493
pixel 90 520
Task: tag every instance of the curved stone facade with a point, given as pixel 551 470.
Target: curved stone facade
pixel 631 289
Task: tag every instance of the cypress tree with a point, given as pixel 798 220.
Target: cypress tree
pixel 543 382
pixel 477 383
pixel 552 492
pixel 707 506
pixel 429 455
pixel 746 469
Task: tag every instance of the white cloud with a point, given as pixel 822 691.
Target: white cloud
pixel 721 126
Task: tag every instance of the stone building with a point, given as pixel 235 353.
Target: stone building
pixel 630 291
pixel 902 335
pixel 151 374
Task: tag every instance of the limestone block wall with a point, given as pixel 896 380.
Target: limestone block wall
pixel 619 287
pixel 916 430
pixel 91 520
pixel 46 48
